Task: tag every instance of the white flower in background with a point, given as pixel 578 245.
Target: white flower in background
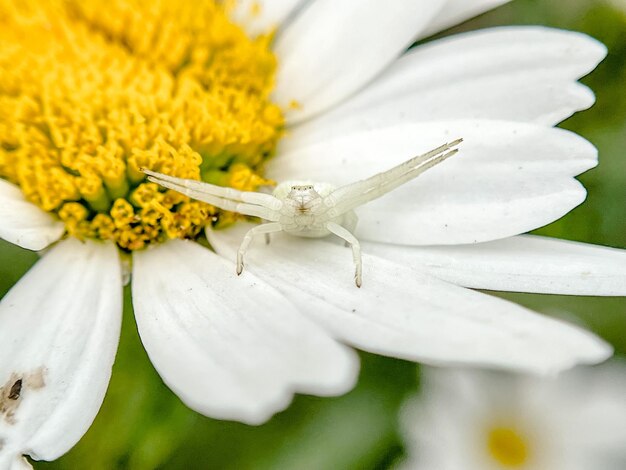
pixel 119 88
pixel 480 420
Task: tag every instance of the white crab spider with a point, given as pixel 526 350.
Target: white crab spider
pixel 306 209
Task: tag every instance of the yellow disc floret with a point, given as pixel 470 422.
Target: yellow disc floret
pixel 507 447
pixel 93 90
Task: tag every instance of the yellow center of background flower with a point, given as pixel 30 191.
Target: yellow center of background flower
pixel 93 90
pixel 507 447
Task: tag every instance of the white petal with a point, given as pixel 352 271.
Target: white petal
pixel 13 462
pixel 597 395
pixel 261 16
pixel 508 178
pixel 230 347
pixel 334 48
pixel 60 323
pixel 515 73
pixel 24 224
pixel 457 11
pixel 520 264
pixel 403 313
pixel 541 100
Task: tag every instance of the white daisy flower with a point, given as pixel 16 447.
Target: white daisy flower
pixel 92 91
pixel 479 420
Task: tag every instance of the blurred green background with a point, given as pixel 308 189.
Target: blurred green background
pixel 142 425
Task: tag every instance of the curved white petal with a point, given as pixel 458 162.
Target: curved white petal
pixel 13 462
pixel 60 327
pixel 24 224
pixel 523 74
pixel 508 178
pixel 403 313
pixel 541 100
pixel 261 16
pixel 334 48
pixel 524 263
pixel 230 347
pixel 458 11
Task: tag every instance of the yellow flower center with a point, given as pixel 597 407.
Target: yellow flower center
pixel 507 447
pixel 93 90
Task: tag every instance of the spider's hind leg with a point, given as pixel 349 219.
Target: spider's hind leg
pixel 343 233
pixel 267 235
pixel 247 239
pixel 349 223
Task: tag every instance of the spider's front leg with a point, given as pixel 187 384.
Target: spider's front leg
pixel 247 239
pixel 344 234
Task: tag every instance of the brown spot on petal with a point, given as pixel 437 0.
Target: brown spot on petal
pixel 16 389
pixel 35 380
pixel 13 391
